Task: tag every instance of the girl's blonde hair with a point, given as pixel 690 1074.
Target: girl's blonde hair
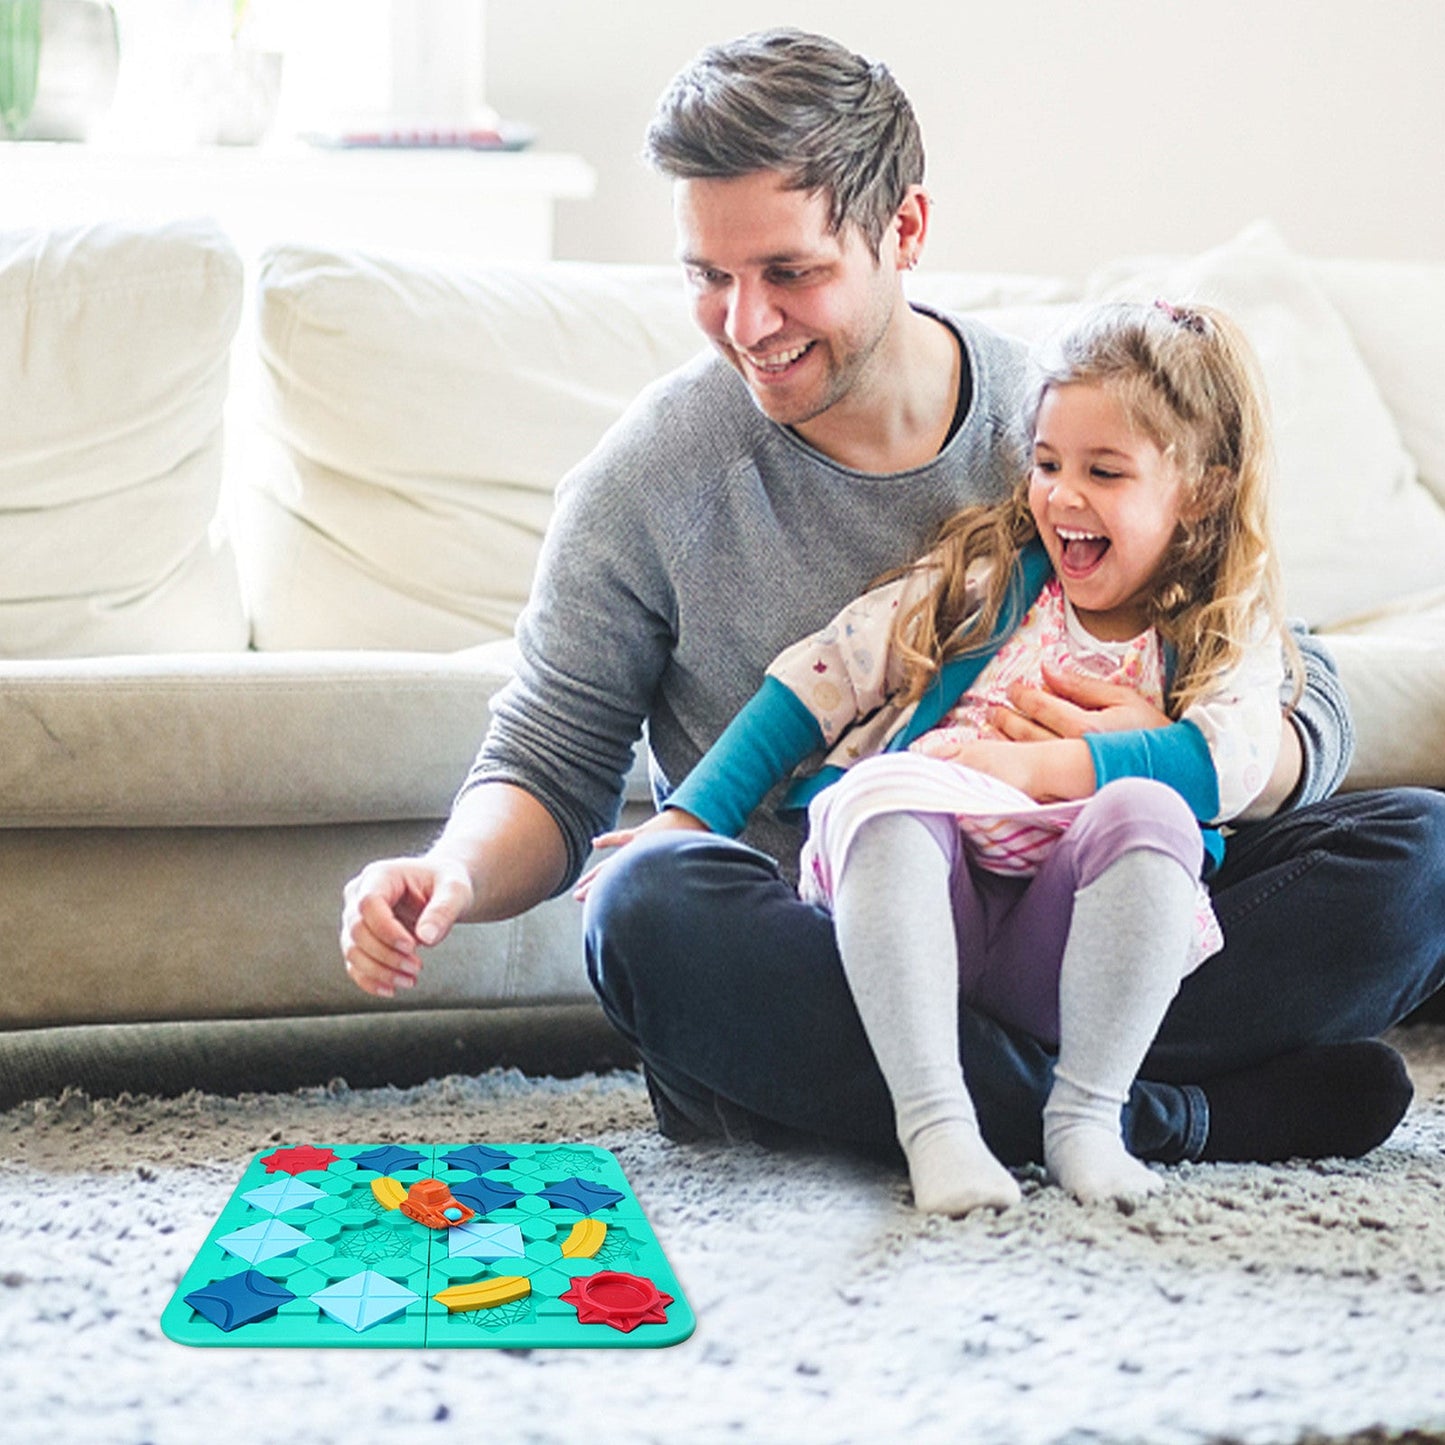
pixel 1188 380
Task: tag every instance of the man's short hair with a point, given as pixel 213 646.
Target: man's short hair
pixel 827 120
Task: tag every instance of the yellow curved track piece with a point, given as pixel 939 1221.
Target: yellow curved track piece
pixel 389 1192
pixel 585 1240
pixel 485 1294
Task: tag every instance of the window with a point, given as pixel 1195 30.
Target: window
pixel 345 64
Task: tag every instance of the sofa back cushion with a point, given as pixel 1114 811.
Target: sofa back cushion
pixel 114 347
pixel 423 412
pixel 1396 312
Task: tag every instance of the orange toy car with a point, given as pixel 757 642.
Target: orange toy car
pixel 431 1203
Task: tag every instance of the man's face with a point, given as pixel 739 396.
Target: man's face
pixel 798 311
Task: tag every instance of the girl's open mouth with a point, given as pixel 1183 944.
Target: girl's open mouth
pixel 1080 552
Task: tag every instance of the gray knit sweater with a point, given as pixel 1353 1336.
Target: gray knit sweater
pixel 696 542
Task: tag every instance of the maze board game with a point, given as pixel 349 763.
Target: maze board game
pixel 431 1245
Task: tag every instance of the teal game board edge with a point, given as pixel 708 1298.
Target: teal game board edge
pixel 299 1225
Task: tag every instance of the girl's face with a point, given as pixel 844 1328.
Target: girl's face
pixel 1107 504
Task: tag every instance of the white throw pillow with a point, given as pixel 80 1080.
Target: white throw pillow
pixel 1354 526
pixel 1396 313
pixel 425 412
pixel 114 345
pixel 1032 325
pixel 984 290
pixel 1392 665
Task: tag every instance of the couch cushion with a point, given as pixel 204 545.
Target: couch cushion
pixel 980 291
pixel 424 413
pixel 1355 528
pixel 1392 665
pixel 1396 313
pixel 249 738
pixel 114 343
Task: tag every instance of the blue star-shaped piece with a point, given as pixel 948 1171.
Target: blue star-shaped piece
pixel 479 1158
pixel 239 1299
pixel 387 1158
pixel 581 1194
pixel 484 1195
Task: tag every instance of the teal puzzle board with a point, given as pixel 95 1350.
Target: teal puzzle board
pixel 529 1245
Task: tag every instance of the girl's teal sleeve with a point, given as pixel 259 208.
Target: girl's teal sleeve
pixel 1177 755
pixel 762 745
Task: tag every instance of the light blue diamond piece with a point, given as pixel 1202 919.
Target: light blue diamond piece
pixel 286 1193
pixel 485 1241
pixel 260 1242
pixel 364 1300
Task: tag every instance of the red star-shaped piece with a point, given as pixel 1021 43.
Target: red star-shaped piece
pixel 623 1301
pixel 820 666
pixel 299 1159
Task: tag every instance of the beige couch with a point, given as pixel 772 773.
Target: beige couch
pixel 241 660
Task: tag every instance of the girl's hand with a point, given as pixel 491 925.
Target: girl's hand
pixel 1006 761
pixel 1048 771
pixel 1069 705
pixel 669 820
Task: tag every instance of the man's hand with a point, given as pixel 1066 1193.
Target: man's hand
pixel 500 854
pixel 1068 706
pixel 390 908
pixel 669 820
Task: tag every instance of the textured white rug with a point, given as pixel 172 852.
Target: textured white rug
pixel 1248 1304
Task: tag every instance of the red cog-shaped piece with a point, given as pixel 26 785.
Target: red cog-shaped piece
pixel 299 1160
pixel 623 1301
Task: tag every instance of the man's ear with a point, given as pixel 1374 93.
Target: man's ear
pixel 910 227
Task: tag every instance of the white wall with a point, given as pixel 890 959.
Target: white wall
pixel 1060 133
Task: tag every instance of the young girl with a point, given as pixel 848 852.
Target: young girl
pixel 1056 882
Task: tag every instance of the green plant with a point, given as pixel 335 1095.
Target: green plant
pixel 19 62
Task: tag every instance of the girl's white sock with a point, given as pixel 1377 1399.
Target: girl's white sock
pixel 1126 952
pixel 894 919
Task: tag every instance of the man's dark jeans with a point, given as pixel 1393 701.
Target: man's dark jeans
pixel 732 993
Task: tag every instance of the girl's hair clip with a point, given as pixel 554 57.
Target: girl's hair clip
pixel 1182 316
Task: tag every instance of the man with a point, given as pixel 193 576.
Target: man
pixel 733 509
